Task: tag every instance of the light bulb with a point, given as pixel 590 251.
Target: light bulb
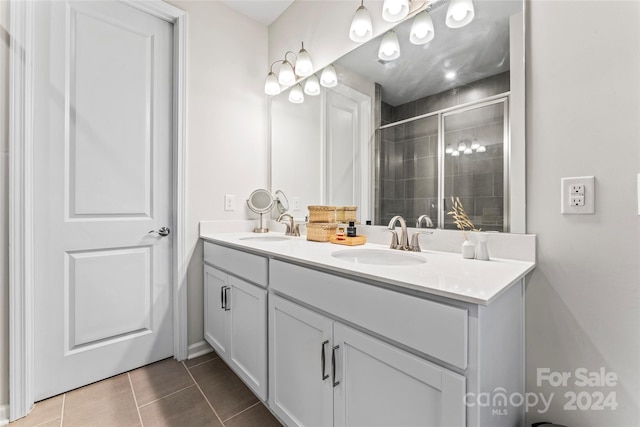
pixel 449 149
pixel 296 95
pixel 304 66
pixel 481 149
pixel 395 10
pixel 361 27
pixel 329 78
pixel 450 75
pixel 286 77
pixel 389 47
pixel 462 146
pixel 312 85
pixel 271 85
pixel 422 29
pixel 455 153
pixel 460 13
pixel 475 144
pixel 468 151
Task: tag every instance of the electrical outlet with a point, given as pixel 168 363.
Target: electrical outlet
pixel 577 196
pixel 296 203
pixel 229 202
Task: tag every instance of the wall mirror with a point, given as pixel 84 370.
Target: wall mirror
pixel 402 137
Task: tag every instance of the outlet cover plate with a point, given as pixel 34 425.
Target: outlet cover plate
pixel 568 196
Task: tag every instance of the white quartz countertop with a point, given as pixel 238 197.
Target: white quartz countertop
pixel 444 274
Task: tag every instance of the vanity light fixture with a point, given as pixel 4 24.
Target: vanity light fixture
pixel 475 144
pixel 271 85
pixel 460 13
pixel 389 47
pixel 304 66
pixel 286 76
pixel 449 149
pixel 395 10
pixel 455 153
pixel 312 85
pixel 296 95
pixel 481 149
pixel 361 28
pixel 329 78
pixel 468 150
pixel 422 30
pixel 450 75
pixel 462 146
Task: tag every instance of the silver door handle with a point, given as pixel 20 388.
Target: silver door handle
pixel 163 231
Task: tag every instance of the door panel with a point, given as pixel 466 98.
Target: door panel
pixel 299 393
pixel 216 329
pixel 103 168
pixel 381 385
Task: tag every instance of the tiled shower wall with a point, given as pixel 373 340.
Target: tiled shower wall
pixel 407 175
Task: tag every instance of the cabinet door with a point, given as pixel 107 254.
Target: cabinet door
pixel 381 385
pixel 247 353
pixel 216 329
pixel 300 390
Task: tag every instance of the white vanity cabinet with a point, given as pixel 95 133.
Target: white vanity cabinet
pixel 236 312
pixel 325 373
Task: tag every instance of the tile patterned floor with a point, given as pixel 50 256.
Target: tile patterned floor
pixel 198 392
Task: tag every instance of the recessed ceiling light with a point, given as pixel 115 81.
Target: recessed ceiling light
pixel 450 75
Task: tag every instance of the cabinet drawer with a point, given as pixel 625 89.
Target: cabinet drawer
pixel 248 266
pixel 433 328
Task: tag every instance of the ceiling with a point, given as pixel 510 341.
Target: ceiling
pixel 263 11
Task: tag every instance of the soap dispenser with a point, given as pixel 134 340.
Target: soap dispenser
pixel 351 229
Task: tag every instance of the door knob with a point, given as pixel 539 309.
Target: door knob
pixel 163 231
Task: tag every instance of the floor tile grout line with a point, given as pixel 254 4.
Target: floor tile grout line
pixel 203 395
pixel 64 401
pixel 244 410
pixel 167 395
pixel 135 399
pixel 201 363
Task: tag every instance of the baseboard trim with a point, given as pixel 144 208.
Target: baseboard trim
pixel 4 415
pixel 198 349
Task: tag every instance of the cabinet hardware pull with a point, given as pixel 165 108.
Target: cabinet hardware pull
pixel 222 297
pixel 322 359
pixel 226 299
pixel 333 365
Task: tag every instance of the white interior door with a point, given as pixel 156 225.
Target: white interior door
pixel 102 156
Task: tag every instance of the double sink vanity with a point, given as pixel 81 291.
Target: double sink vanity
pixel 364 336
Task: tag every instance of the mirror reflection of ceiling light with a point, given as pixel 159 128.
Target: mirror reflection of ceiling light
pixel 460 13
pixel 455 153
pixel 361 27
pixel 468 150
pixel 462 146
pixel 389 47
pixel 481 149
pixel 465 146
pixel 450 75
pixel 329 78
pixel 395 10
pixel 449 149
pixel 475 144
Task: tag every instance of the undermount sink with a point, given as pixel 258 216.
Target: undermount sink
pixel 266 238
pixel 378 257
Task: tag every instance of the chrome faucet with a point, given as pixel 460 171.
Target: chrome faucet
pixel 426 219
pixel 293 229
pixel 403 243
pixel 415 241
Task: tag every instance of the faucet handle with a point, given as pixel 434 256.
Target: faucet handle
pixel 394 239
pixel 415 240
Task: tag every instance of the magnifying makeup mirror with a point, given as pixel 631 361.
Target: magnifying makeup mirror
pixel 261 202
pixel 282 203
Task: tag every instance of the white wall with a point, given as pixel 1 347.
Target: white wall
pixel 4 203
pixel 583 118
pixel 583 95
pixel 226 126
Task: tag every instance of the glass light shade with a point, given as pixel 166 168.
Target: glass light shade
pixel 449 149
pixel 422 29
pixel 460 13
pixel 304 66
pixel 389 47
pixel 286 77
pixel 481 149
pixel 462 146
pixel 455 153
pixel 395 10
pixel 312 86
pixel 361 27
pixel 475 144
pixel 271 85
pixel 296 95
pixel 468 151
pixel 329 78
